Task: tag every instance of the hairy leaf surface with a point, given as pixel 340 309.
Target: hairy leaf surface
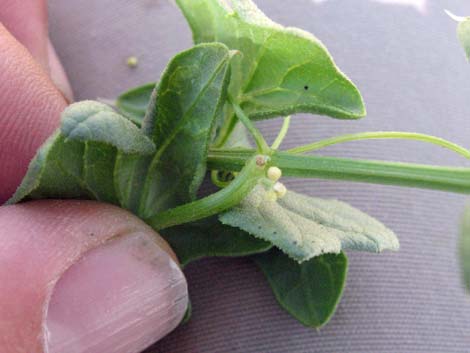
pixel 304 227
pixel 94 121
pixel 78 160
pixel 309 291
pixel 281 70
pixel 180 121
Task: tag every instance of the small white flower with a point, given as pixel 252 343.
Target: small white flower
pixel 279 189
pixel 274 173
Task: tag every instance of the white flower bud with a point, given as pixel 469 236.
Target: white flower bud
pixel 274 173
pixel 279 189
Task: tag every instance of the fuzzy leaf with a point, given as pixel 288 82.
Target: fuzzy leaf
pixel 309 291
pixel 99 160
pixel 55 171
pixel 78 160
pixel 133 103
pixel 281 70
pixel 94 121
pixel 304 227
pixel 180 122
pixel 209 237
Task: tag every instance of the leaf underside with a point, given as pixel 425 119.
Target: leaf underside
pixel 304 227
pixel 309 291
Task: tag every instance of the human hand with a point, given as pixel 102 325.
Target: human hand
pixel 75 276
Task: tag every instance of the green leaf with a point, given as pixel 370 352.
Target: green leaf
pixel 187 314
pixel 463 33
pixel 309 291
pixel 78 160
pixel 133 103
pixel 209 237
pixel 464 247
pixel 94 121
pixel 304 227
pixel 99 160
pixel 180 121
pixel 55 171
pixel 373 172
pixel 281 70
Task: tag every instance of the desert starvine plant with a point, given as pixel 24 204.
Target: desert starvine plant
pixel 150 152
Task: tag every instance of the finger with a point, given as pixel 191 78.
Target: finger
pixel 30 107
pixel 79 276
pixel 27 21
pixel 57 73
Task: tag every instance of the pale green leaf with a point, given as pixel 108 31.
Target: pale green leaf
pixel 463 32
pixel 305 227
pixel 465 247
pixel 281 70
pixel 94 121
pixel 78 161
pixel 309 291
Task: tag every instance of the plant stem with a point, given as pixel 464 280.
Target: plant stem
pixel 215 203
pixel 376 172
pixel 259 139
pixel 282 134
pixel 382 135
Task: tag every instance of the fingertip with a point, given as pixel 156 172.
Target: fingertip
pixel 87 277
pixel 30 107
pixel 27 21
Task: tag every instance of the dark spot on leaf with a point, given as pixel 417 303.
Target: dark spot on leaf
pixel 306 87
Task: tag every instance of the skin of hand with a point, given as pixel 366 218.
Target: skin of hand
pixel 75 276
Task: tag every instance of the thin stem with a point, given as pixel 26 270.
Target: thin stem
pixel 282 133
pixel 382 135
pixel 215 203
pixel 259 139
pixel 376 172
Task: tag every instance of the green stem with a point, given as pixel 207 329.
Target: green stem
pixel 382 135
pixel 376 172
pixel 215 203
pixel 282 134
pixel 259 139
pixel 226 130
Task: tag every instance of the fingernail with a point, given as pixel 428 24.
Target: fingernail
pixel 120 297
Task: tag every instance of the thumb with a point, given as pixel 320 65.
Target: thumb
pixel 79 276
